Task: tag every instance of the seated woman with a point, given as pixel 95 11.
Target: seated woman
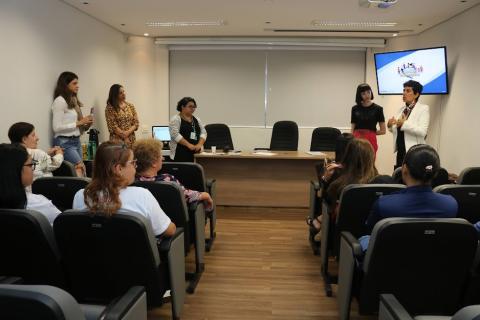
pixel 357 166
pixel 16 174
pixel 109 191
pixel 24 133
pixel 149 161
pixel 420 165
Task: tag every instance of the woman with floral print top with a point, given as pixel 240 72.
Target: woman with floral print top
pixel 122 120
pixel 149 162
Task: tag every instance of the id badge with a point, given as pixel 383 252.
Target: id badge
pixel 193 136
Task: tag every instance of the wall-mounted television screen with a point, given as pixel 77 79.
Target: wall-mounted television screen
pixel 427 66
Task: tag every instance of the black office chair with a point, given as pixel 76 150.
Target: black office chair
pixel 104 257
pixel 469 175
pixel 51 303
pixel 390 308
pixel 60 190
pixel 284 136
pixel 425 263
pixel 468 199
pixel 192 176
pixel 28 248
pixel 218 135
pixel 324 139
pixel 355 205
pixel 66 169
pixel 172 201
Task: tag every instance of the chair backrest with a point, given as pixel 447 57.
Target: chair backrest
pixel 218 135
pixel 468 313
pixel 425 263
pixel 104 257
pixel 66 169
pixel 324 139
pixel 38 302
pixel 189 174
pixel 468 199
pixel 28 248
pixel 469 175
pixel 356 203
pixel 284 136
pixel 60 190
pixel 172 201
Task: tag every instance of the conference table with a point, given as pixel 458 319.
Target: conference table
pixel 262 179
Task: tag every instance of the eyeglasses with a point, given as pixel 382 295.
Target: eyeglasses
pixel 133 162
pixel 33 164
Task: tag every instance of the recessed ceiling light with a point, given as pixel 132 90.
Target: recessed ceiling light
pixel 395 34
pixel 370 24
pixel 186 24
pixel 146 34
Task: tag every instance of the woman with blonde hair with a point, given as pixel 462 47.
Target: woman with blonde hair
pixel 109 191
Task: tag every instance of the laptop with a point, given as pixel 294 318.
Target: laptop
pixel 161 133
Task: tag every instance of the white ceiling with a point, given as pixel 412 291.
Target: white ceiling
pixel 248 18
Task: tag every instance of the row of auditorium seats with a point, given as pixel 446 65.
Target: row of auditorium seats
pixel 284 137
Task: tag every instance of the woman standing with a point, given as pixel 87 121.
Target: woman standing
pixel 68 121
pixel 366 115
pixel 186 131
pixel 122 120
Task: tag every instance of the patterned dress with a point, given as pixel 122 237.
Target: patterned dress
pixel 122 119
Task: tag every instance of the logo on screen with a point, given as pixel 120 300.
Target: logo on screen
pixel 409 70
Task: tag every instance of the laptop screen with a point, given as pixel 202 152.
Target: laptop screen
pixel 161 133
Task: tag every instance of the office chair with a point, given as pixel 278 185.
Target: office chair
pixel 28 248
pixel 468 199
pixel 192 176
pixel 355 205
pixel 469 175
pixel 324 139
pixel 172 201
pixel 105 256
pixel 284 136
pixel 66 169
pixel 51 303
pixel 60 190
pixel 218 135
pixel 425 263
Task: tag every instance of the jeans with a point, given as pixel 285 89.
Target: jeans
pixel 72 148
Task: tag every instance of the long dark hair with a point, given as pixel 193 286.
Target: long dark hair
pixel 113 96
pixel 19 130
pixel 62 89
pixel 103 193
pixel 12 191
pixel 422 162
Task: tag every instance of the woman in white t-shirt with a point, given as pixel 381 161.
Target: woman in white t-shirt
pixel 109 191
pixel 16 174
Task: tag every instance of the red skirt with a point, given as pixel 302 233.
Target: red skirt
pixel 369 135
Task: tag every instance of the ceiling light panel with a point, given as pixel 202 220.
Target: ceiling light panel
pixel 186 24
pixel 366 24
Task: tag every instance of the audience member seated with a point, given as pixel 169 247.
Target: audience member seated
pixel 149 162
pixel 420 166
pixel 16 174
pixel 24 133
pixel 357 167
pixel 109 191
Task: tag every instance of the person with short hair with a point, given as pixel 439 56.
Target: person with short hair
pixel 366 115
pixel 24 133
pixel 186 131
pixel 68 121
pixel 419 167
pixel 114 170
pixel 121 116
pixel 148 153
pixel 16 175
pixel 410 125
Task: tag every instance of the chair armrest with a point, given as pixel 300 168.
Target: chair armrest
pixel 11 280
pixel 132 305
pixel 391 309
pixel 353 243
pixel 164 244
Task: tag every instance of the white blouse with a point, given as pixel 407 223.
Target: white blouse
pixel 64 119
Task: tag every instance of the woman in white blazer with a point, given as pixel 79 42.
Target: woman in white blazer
pixel 410 125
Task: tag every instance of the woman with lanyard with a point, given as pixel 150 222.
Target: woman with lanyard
pixel 186 131
pixel 366 115
pixel 68 122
